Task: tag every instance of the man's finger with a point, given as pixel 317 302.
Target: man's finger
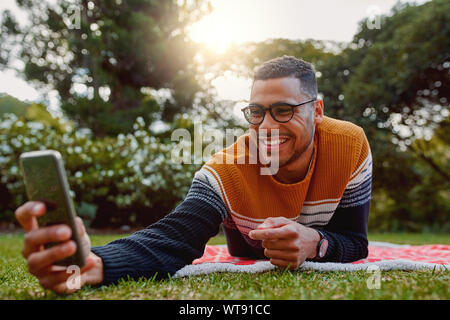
pixel 41 259
pixel 274 222
pixel 280 244
pixel 27 213
pixel 281 254
pixel 55 269
pixel 63 288
pixel 90 263
pixel 284 263
pixel 285 232
pixel 36 238
pixel 50 280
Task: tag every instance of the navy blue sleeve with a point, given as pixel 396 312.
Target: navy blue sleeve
pixel 347 230
pixel 169 244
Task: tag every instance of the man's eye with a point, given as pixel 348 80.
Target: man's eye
pixel 255 111
pixel 283 110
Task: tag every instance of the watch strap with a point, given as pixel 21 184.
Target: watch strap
pixel 322 239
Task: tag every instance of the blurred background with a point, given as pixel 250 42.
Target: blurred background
pixel 106 82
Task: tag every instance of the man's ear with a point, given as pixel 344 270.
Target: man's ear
pixel 318 111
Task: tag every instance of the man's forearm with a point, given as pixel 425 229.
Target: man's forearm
pixel 347 234
pixel 166 246
pixel 345 247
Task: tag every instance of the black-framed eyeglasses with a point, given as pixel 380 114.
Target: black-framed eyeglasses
pixel 280 111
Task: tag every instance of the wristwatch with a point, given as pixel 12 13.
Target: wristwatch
pixel 322 246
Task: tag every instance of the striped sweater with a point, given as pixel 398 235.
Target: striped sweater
pixel 333 197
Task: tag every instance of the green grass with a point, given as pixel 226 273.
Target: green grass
pixel 17 283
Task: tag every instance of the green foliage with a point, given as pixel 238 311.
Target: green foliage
pixel 9 104
pixel 398 79
pixel 244 58
pixel 128 179
pixel 99 115
pixel 31 112
pixel 96 50
pixel 403 68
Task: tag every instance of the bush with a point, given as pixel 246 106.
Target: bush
pixel 128 179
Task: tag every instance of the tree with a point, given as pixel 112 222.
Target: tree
pixel 9 104
pixel 30 112
pixel 402 78
pixel 242 59
pixel 104 58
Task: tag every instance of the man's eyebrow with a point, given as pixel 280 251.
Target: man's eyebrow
pixel 282 103
pixel 255 104
pixel 275 104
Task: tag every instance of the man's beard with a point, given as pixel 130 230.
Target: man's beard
pixel 298 153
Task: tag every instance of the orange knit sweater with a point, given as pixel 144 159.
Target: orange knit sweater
pixel 341 160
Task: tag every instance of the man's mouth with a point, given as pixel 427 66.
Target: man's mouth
pixel 274 142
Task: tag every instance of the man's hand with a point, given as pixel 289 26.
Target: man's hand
pixel 287 243
pixel 41 261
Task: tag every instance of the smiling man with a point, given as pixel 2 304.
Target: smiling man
pixel 315 207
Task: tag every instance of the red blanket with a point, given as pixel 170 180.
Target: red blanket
pixel 383 256
pixel 435 254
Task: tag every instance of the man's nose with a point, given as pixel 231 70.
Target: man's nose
pixel 269 123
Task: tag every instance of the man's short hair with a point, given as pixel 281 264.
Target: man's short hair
pixel 288 66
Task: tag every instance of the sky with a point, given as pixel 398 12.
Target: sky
pixel 240 21
pixel 258 20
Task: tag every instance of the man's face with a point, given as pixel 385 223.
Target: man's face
pixel 295 135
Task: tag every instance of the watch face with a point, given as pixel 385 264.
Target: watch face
pixel 323 248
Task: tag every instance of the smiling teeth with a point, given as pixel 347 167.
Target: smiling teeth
pixel 274 142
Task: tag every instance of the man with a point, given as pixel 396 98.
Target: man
pixel 315 207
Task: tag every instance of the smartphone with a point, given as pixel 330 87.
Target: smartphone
pixel 46 181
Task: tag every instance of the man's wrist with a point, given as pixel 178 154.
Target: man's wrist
pixel 316 239
pixel 97 272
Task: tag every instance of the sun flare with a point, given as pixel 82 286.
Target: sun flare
pixel 220 29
